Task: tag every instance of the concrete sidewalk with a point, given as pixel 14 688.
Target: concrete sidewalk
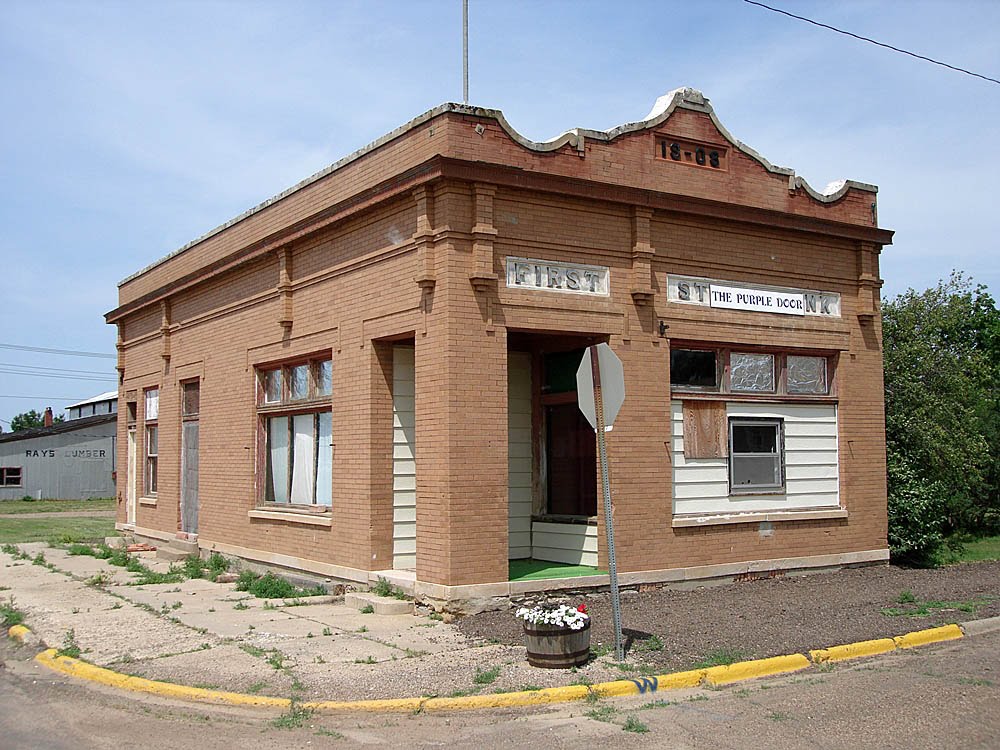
pixel 205 634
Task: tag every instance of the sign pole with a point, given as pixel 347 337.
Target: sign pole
pixel 609 529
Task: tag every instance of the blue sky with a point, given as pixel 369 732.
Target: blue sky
pixel 131 128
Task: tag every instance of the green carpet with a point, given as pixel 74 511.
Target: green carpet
pixel 535 570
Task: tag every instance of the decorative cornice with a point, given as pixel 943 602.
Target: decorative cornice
pixel 665 106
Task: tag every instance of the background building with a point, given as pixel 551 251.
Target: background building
pixel 71 460
pixel 371 374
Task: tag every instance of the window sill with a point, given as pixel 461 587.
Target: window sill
pixel 289 516
pixel 149 501
pixel 681 522
pixel 772 398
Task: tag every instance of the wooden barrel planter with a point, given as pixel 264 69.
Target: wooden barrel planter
pixel 557 647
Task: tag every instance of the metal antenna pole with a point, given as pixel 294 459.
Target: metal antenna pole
pixel 465 51
pixel 609 529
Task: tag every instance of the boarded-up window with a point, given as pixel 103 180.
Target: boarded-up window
pixel 705 429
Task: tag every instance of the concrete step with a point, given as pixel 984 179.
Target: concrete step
pixel 383 605
pixel 176 549
pixel 171 554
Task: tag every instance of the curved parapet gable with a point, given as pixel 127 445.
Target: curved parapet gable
pixel 663 108
pixel 443 133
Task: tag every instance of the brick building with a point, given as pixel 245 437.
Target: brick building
pixel 372 372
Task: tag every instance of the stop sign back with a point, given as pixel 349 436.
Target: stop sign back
pixel 612 384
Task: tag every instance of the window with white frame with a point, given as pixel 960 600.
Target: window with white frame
pixel 151 442
pixel 10 476
pixel 296 427
pixel 756 456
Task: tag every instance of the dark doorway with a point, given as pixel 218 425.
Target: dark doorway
pixel 570 447
pixel 572 461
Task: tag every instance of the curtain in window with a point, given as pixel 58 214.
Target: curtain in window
pixel 303 463
pixel 324 460
pixel 277 433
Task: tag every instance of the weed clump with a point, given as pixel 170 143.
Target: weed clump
pixel 270 586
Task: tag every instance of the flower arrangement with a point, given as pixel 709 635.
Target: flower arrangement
pixel 558 615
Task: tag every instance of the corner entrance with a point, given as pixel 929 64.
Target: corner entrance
pixel 552 457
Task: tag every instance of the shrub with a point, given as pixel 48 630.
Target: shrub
pixel 192 567
pixel 246 580
pixel 916 515
pixel 269 586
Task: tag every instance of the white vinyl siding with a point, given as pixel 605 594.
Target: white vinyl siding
pixel 572 543
pixel 519 454
pixel 404 468
pixel 701 486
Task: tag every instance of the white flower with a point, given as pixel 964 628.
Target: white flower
pixel 561 615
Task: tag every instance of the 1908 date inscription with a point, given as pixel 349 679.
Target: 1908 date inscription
pixel 696 154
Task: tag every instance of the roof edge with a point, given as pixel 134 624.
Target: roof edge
pixel 684 97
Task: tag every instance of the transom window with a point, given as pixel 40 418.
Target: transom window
pixel 755 455
pixel 296 423
pixel 10 476
pixel 735 371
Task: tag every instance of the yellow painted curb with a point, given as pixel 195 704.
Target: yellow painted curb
pixel 748 670
pixel 18 632
pixel 853 650
pixel 77 668
pixel 722 675
pixel 931 635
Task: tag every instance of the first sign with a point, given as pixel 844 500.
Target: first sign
pixel 574 278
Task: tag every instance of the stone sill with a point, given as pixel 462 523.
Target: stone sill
pixel 150 501
pixel 291 517
pixel 681 522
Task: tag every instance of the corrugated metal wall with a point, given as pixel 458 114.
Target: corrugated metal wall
pixel 67 465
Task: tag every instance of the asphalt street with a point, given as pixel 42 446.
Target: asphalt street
pixel 943 696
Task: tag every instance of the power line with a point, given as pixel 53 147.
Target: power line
pixel 872 41
pixel 32 368
pixel 71 352
pixel 43 398
pixel 85 378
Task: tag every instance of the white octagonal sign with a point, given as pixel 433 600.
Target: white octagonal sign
pixel 612 384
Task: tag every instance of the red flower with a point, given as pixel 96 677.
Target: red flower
pixel 582 608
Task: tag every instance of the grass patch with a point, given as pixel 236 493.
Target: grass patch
pixel 976 550
pixel 602 713
pixel 10 615
pixel 368 609
pixel 720 657
pixel 294 718
pixel 632 724
pixel 654 704
pixel 65 530
pixel 321 732
pixel 652 643
pixel 924 609
pixel 383 588
pixel 70 647
pixel 10 507
pixel 270 586
pixel 486 676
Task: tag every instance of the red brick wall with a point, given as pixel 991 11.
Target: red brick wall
pixel 353 292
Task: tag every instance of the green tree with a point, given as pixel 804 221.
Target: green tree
pixel 942 359
pixel 28 419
